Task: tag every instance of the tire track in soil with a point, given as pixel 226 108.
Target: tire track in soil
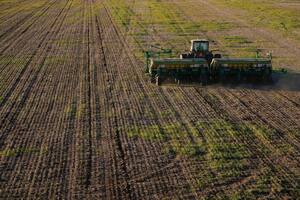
pixel 80 176
pixel 104 67
pixel 97 62
pixel 166 97
pixel 89 99
pixel 71 185
pixel 112 69
pixel 110 92
pixel 71 117
pixel 117 138
pixel 296 104
pixel 137 74
pixel 212 106
pixel 205 35
pixel 110 95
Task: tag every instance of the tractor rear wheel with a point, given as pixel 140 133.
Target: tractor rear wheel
pixel 184 56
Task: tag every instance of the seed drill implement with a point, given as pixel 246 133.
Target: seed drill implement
pixel 202 65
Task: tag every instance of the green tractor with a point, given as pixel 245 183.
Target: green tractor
pixel 203 65
pixel 190 65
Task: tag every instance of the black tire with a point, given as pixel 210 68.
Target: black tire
pixel 203 80
pixel 158 80
pixel 217 55
pixel 152 79
pixel 183 56
pixel 269 79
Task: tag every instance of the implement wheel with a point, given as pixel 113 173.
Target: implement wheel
pixel 203 79
pixel 152 79
pixel 158 80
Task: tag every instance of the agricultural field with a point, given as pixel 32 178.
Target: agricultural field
pixel 79 118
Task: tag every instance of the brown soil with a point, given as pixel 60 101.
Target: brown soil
pixel 73 95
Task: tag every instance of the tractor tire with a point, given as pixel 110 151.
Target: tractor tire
pixel 183 56
pixel 203 80
pixel 217 55
pixel 152 79
pixel 186 55
pixel 269 79
pixel 158 80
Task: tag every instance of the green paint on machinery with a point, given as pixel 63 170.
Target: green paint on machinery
pixel 202 65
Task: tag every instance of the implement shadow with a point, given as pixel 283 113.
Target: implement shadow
pixel 289 81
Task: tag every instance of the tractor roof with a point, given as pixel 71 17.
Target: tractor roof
pixel 199 40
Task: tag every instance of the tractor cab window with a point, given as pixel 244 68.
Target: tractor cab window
pixel 201 46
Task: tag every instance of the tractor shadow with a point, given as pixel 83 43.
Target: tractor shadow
pixel 289 81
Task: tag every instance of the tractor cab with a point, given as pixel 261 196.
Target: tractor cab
pixel 199 49
pixel 200 46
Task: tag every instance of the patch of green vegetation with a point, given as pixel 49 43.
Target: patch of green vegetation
pixel 263 133
pixel 221 140
pixel 235 39
pixel 6 59
pixel 20 151
pixel 122 12
pixel 240 46
pixel 82 107
pixel 185 148
pixel 159 18
pixel 267 13
pixel 173 20
pixel 71 109
pixel 272 139
pixel 166 113
pixel 216 25
pixel 56 60
pixel 74 17
pixel 227 158
pixel 152 132
pixel 177 136
pixel 269 182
